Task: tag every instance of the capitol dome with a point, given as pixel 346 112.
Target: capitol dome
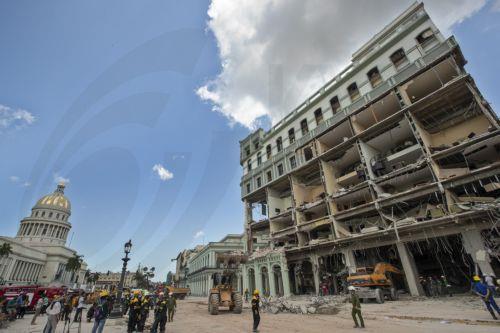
pixel 55 200
pixel 48 222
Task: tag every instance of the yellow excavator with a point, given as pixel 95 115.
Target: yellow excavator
pixel 223 293
pixel 376 282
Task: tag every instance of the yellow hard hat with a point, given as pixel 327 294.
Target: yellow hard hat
pixel 136 292
pixel 255 292
pixel 476 278
pixel 104 293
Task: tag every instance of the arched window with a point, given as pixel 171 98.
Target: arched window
pixel 50 215
pixel 374 77
pixel 291 135
pixel 353 91
pixel 279 144
pixel 43 214
pixel 259 159
pixel 57 216
pixel 399 58
pixel 268 151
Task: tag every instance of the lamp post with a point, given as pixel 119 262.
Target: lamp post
pixel 117 311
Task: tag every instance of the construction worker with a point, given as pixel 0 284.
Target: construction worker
pixel 160 314
pixel 144 313
pixel 356 308
pixel 126 303
pixel 171 306
pixel 134 315
pixel 255 310
pixel 482 291
pixel 101 312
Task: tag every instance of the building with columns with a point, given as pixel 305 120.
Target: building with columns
pixel 39 253
pixel 202 264
pixel 395 159
pixel 111 280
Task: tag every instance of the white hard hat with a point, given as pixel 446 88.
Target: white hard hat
pixel 351 288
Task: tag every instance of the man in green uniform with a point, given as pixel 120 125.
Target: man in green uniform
pixel 356 308
pixel 171 306
pixel 160 315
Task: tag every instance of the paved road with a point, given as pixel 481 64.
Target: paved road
pixel 442 315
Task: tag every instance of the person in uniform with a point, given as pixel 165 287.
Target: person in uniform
pixel 356 308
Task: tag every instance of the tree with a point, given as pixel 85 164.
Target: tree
pixel 74 264
pixel 5 250
pixel 140 279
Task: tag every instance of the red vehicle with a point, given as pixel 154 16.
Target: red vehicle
pixel 33 292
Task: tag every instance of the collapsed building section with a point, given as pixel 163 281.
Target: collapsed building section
pixel 395 160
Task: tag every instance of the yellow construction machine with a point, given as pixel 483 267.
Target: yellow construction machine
pixel 376 282
pixel 224 293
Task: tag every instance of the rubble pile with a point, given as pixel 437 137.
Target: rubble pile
pixel 312 305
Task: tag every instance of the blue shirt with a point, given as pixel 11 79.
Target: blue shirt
pixel 480 288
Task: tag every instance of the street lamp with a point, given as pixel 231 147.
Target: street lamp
pixel 117 311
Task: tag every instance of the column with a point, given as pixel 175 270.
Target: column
pixel 349 260
pixel 244 271
pixel 258 278
pixel 410 270
pixel 474 245
pixel 272 286
pixel 286 281
pixel 315 268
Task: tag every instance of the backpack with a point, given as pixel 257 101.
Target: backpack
pixel 99 311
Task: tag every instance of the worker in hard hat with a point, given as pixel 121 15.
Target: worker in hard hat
pixel 134 315
pixel 101 312
pixel 171 306
pixel 160 314
pixel 356 308
pixel 144 313
pixel 255 310
pixel 481 289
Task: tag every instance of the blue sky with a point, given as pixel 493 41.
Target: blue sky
pixel 112 89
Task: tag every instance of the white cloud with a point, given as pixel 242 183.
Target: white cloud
pixel 275 53
pixel 162 172
pixel 60 179
pixel 11 119
pixel 17 180
pixel 199 234
pixel 14 179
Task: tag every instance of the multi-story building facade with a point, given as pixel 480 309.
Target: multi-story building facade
pixel 202 264
pixel 111 280
pixel 395 159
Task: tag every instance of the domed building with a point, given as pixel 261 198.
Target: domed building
pixel 39 252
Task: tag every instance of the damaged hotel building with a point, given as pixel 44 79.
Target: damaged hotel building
pixel 396 159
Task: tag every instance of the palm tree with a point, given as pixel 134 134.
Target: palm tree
pixel 5 250
pixel 74 264
pixel 140 279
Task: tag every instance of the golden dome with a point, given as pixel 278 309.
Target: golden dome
pixel 55 200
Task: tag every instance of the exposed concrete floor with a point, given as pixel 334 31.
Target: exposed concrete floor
pixel 453 315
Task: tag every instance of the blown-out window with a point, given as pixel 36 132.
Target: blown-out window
pixel 335 104
pixel 399 58
pixel 304 127
pixel 291 135
pixel 268 151
pixel 318 115
pixel 279 144
pixel 353 91
pixel 374 77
